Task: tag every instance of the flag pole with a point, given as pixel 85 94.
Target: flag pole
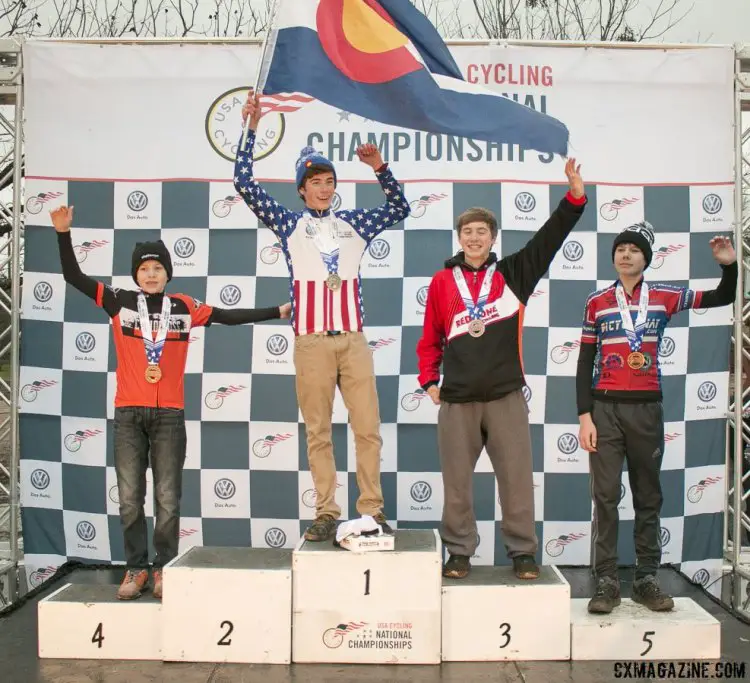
pixel 271 21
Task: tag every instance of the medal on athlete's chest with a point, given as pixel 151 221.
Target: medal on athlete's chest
pixel 634 331
pixel 324 233
pixel 476 327
pixel 154 346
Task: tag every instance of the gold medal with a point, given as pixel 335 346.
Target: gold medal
pixel 153 374
pixel 636 360
pixel 333 281
pixel 476 328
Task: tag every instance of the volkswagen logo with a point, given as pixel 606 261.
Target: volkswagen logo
pixel 277 344
pixel 85 342
pixel 422 296
pixel 707 392
pixel 43 292
pixel 712 203
pixel 275 538
pixel 666 347
pixel 421 491
pixel 701 577
pixel 664 536
pixel 137 200
pixel 525 202
pixel 230 295
pixel 39 479
pixel 184 247
pixel 379 249
pixel 526 393
pixel 86 531
pixel 224 489
pixel 573 251
pixel 567 443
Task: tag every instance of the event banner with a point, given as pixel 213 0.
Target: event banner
pixel 144 146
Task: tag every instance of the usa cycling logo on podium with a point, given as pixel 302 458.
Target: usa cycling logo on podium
pixel 556 546
pixel 262 447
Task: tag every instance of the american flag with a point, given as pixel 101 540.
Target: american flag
pixel 270 440
pixel 380 343
pixel 283 103
pixel 426 199
pixel 342 629
pixel 619 203
pixel 564 540
pixel 708 481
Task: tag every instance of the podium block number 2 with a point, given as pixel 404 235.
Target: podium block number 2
pixel 225 639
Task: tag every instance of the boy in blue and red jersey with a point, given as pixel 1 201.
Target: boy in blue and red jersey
pixel 620 411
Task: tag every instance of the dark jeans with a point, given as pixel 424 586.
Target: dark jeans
pixel 154 436
pixel 632 432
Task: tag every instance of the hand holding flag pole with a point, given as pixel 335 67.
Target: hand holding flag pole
pixel 262 70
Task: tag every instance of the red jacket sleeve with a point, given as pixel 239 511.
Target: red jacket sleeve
pixel 430 345
pixel 200 313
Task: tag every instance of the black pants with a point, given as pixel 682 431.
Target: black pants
pixel 632 432
pixel 156 436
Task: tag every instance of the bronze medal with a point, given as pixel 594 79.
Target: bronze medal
pixel 333 282
pixel 476 328
pixel 636 360
pixel 153 374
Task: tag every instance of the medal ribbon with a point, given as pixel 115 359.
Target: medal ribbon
pixel 633 333
pixel 475 309
pixel 154 347
pixel 328 247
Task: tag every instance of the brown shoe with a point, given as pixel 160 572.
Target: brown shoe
pixel 157 583
pixel 322 529
pixel 525 567
pixel 133 585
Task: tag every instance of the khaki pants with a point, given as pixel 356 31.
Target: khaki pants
pixel 322 362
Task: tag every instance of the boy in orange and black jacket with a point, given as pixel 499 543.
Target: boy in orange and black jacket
pixel 149 424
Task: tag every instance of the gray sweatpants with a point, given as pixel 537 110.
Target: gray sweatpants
pixel 502 426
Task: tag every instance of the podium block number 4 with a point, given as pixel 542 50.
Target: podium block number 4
pixel 98 636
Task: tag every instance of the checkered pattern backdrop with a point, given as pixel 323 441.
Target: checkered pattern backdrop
pixel 247 480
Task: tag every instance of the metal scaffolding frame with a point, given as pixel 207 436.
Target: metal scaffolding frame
pixel 11 245
pixel 737 526
pixel 736 586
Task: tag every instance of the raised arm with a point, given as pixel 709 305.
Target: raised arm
pixel 269 212
pixel 103 296
pixel 205 315
pixel 369 223
pixel 527 266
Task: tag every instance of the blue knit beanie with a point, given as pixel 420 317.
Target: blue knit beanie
pixel 310 157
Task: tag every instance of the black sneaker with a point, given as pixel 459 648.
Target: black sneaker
pixel 525 567
pixel 380 519
pixel 457 567
pixel 646 591
pixel 323 528
pixel 607 596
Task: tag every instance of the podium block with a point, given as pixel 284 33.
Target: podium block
pixel 87 621
pixel 493 616
pixel 228 605
pixel 366 607
pixel 633 632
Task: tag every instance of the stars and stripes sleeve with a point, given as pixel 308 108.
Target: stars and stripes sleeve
pixel 369 223
pixel 269 212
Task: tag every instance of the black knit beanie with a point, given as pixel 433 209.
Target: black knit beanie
pixel 641 235
pixel 151 251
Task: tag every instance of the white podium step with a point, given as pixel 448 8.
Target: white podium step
pixel 228 605
pixel 87 621
pixel 368 607
pixel 633 632
pixel 493 616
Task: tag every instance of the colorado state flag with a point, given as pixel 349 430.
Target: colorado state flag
pixel 383 59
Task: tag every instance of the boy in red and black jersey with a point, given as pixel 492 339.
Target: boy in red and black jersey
pixel 473 327
pixel 151 332
pixel 618 386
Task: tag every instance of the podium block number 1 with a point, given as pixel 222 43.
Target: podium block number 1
pixel 367 581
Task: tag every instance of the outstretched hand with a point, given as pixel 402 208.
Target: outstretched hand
pixel 723 250
pixel 285 311
pixel 574 178
pixel 62 218
pixel 252 108
pixel 369 154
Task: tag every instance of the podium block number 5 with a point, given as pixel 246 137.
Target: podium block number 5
pixel 648 640
pixel 225 639
pixel 98 636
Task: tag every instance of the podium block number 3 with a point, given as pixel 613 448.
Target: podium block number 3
pixel 505 632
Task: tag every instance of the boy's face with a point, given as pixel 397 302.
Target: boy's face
pixel 152 277
pixel 317 191
pixel 476 240
pixel 629 260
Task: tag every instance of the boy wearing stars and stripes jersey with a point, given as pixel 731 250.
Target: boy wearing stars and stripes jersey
pixel 323 251
pixel 618 386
